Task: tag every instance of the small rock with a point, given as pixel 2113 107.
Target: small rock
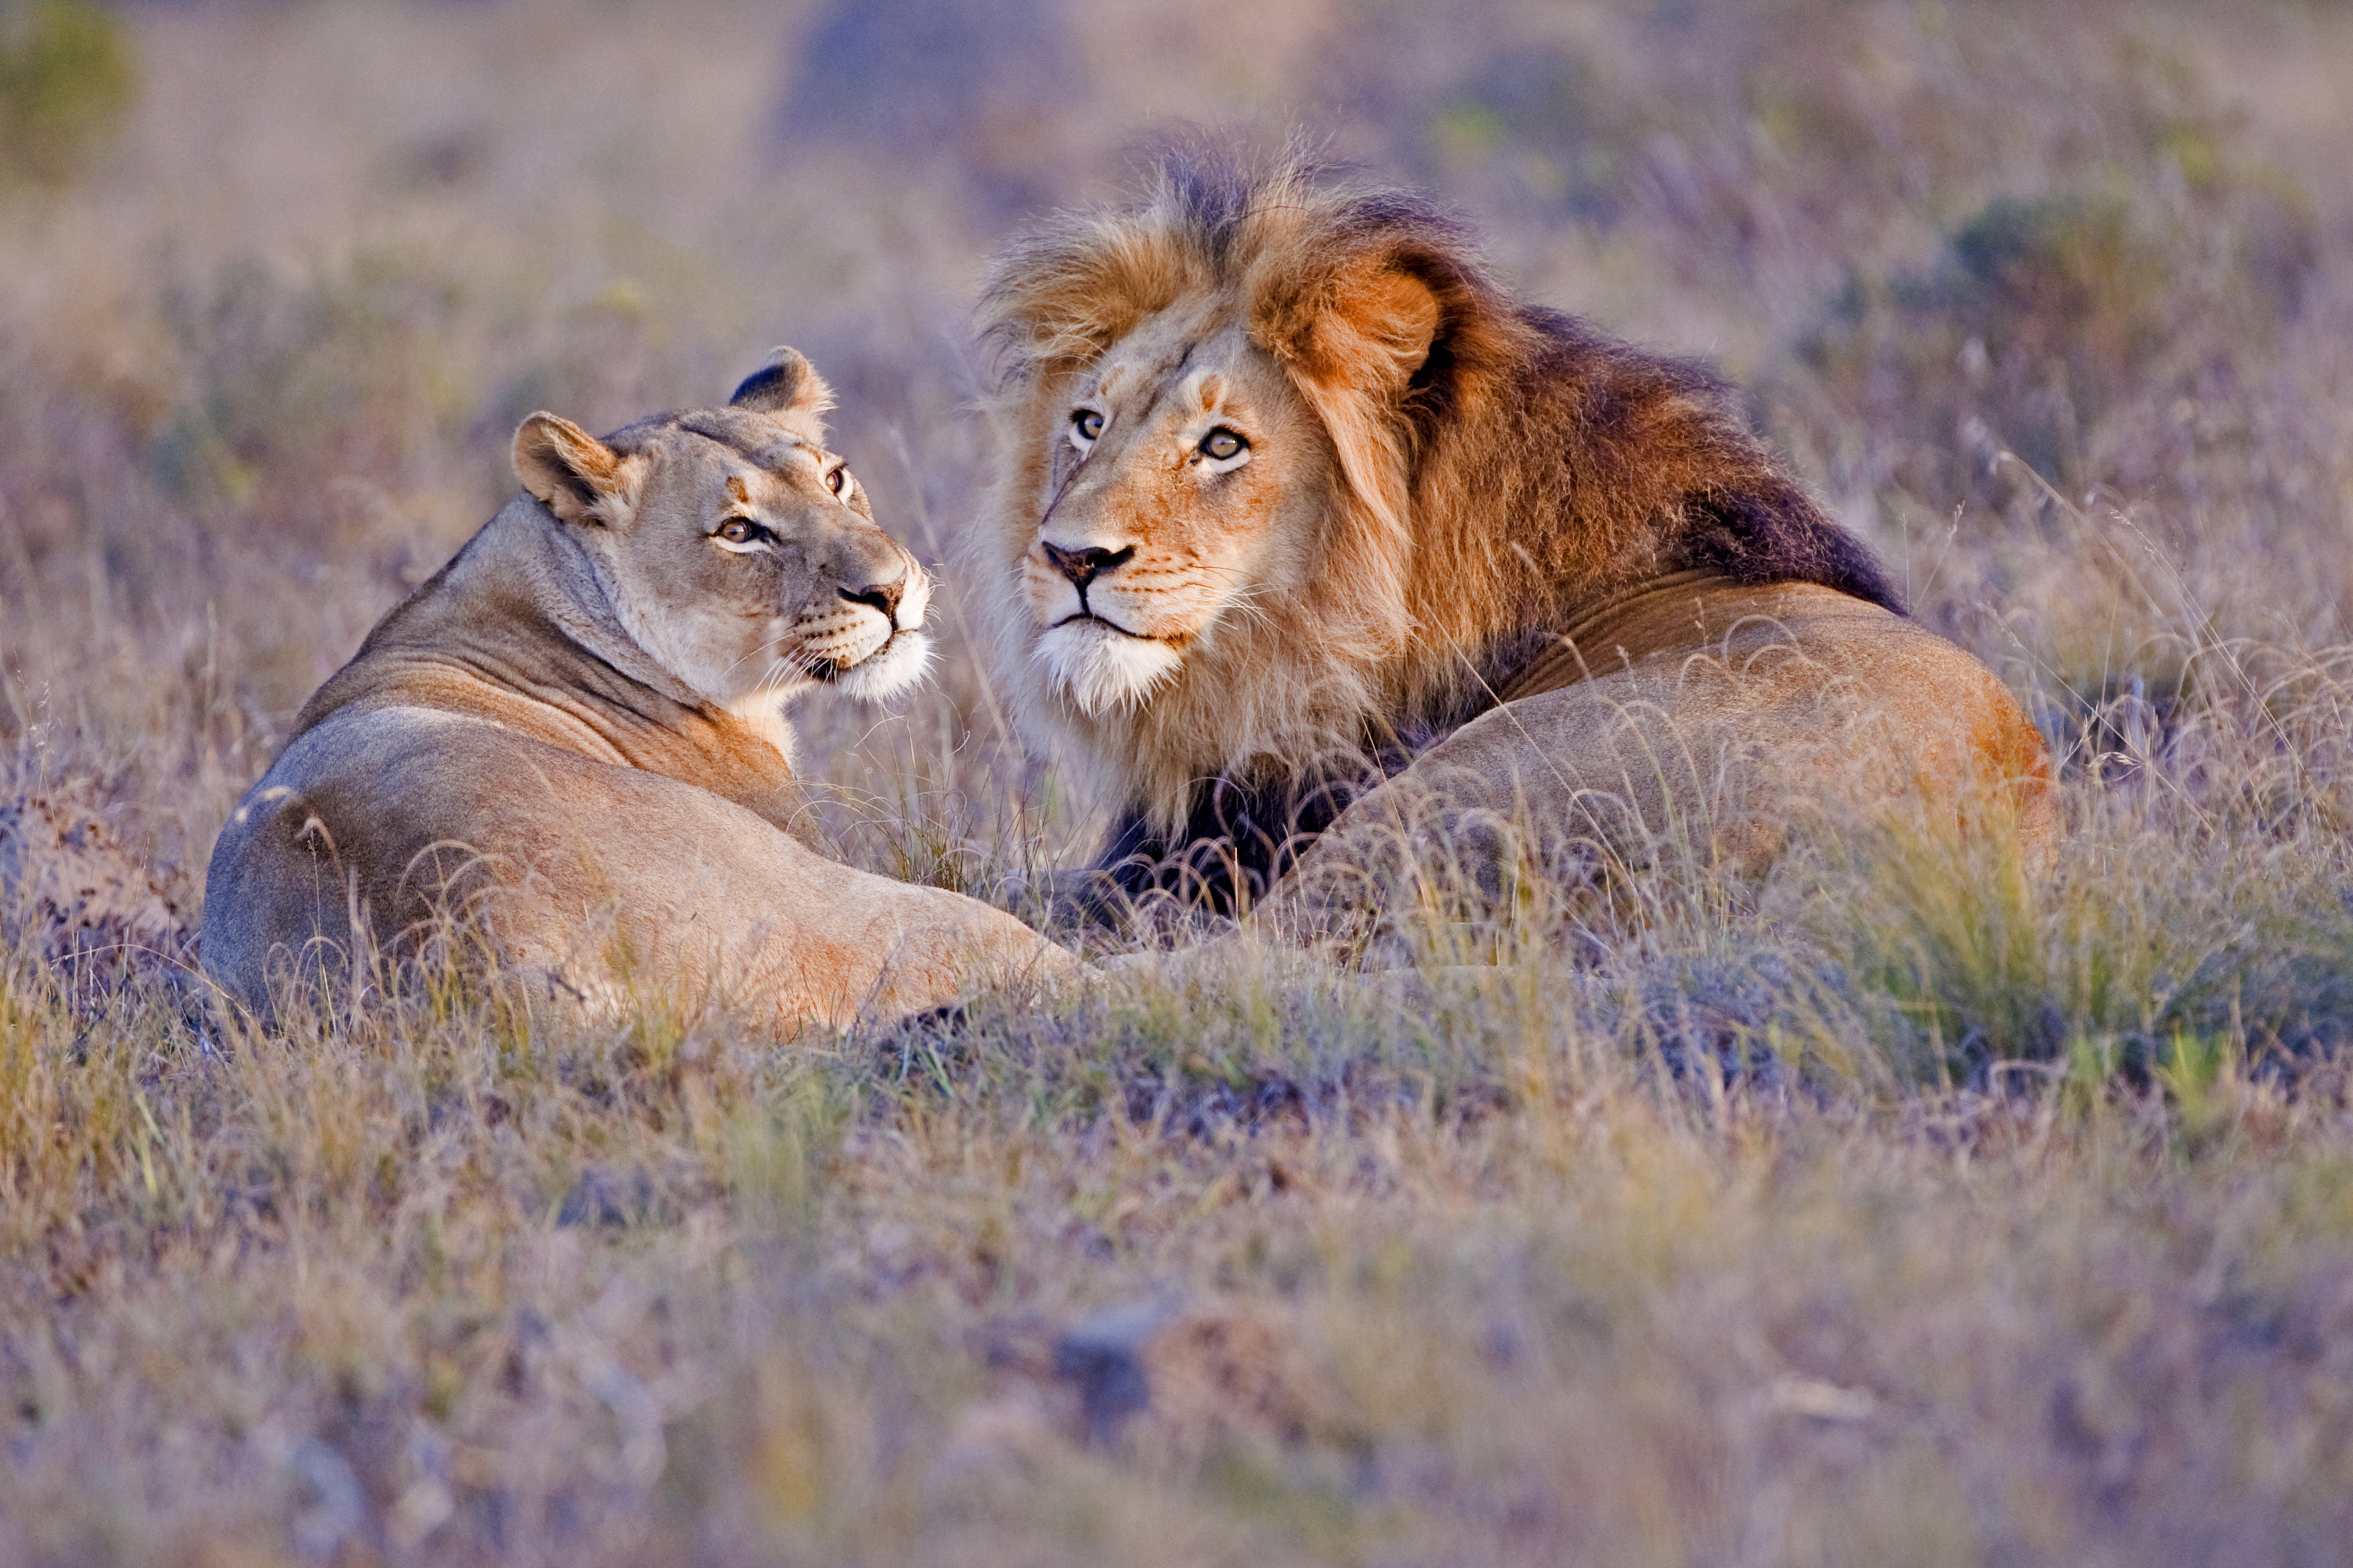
pixel 1154 1374
pixel 1102 1354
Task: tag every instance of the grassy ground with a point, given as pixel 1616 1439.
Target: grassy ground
pixel 1901 1208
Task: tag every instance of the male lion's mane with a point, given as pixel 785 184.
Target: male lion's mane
pixel 1523 470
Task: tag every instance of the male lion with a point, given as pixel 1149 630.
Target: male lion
pixel 1307 543
pixel 573 734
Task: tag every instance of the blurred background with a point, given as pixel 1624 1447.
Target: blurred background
pixel 1718 1227
pixel 277 280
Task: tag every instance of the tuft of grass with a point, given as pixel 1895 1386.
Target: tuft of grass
pixel 407 1282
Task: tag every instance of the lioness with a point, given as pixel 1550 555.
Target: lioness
pixel 1307 542
pixel 574 734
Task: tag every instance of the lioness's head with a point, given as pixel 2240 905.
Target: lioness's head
pixel 736 550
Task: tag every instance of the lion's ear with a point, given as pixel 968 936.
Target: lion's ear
pixel 787 384
pixel 1369 327
pixel 563 466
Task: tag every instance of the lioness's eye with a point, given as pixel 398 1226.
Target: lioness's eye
pixel 739 531
pixel 1221 444
pixel 1086 425
pixel 837 481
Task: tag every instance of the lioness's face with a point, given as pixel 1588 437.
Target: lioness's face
pixel 1179 497
pixel 755 575
pixel 738 551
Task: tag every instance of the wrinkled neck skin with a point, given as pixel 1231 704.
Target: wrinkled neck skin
pixel 520 628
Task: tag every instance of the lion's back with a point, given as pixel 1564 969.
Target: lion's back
pixel 1703 728
pixel 1793 695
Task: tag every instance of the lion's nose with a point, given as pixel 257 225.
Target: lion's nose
pixel 1083 566
pixel 883 596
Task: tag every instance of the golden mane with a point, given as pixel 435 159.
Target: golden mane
pixel 1502 468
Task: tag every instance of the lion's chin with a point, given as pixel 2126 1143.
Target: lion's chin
pixel 1102 669
pixel 897 666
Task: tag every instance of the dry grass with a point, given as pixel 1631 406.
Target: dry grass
pixel 1903 1207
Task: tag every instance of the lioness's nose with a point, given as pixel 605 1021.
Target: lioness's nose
pixel 883 596
pixel 1083 566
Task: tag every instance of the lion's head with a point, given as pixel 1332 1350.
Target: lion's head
pixel 735 549
pixel 1199 550
pixel 1283 473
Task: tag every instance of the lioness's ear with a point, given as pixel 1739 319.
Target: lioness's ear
pixel 565 466
pixel 1369 326
pixel 787 384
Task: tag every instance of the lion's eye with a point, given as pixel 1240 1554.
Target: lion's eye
pixel 1222 446
pixel 1086 427
pixel 836 480
pixel 739 531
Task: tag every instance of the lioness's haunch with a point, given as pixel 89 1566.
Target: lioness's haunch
pixel 1307 542
pixel 572 739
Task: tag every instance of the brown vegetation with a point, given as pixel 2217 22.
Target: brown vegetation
pixel 1900 1208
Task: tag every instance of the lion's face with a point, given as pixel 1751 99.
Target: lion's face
pixel 738 551
pixel 1180 488
pixel 1200 553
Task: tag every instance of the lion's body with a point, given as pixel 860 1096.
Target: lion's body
pixel 506 757
pixel 1699 721
pixel 1292 497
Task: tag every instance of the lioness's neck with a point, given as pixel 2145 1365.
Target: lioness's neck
pixel 518 629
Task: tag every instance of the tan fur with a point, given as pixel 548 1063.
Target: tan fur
pixel 1700 721
pixel 1442 484
pixel 572 738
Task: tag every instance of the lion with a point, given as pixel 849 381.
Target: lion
pixel 1306 543
pixel 572 736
